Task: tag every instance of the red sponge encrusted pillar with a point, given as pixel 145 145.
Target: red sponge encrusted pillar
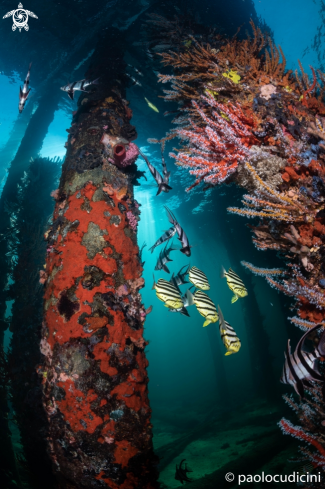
pixel 95 379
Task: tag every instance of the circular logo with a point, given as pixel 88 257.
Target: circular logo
pixel 20 18
pixel 229 477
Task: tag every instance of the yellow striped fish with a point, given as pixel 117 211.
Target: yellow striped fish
pixel 235 284
pixel 198 278
pixel 228 335
pixel 204 305
pixel 168 293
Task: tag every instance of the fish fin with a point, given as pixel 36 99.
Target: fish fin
pixel 321 345
pixel 165 269
pixel 206 323
pixel 95 82
pixel 71 94
pixel 221 318
pixel 222 272
pixel 154 282
pixel 186 250
pixel 234 298
pixel 228 353
pixel 30 65
pixel 174 247
pixel 20 93
pixel 171 217
pixel 163 187
pixel 184 311
pixel 299 388
pixel 189 297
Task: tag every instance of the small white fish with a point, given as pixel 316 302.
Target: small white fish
pixel 80 85
pixel 23 93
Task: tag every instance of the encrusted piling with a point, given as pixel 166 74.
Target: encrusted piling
pixel 95 379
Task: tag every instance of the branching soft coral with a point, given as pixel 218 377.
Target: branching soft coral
pixel 311 416
pixel 274 204
pixel 216 149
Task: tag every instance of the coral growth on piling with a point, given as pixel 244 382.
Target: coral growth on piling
pixel 244 119
pixel 94 374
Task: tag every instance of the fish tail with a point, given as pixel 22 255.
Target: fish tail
pixel 234 298
pixel 222 272
pixel 163 187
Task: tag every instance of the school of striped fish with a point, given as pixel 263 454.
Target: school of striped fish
pixel 300 367
pixel 169 291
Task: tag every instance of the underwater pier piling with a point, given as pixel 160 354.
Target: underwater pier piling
pixel 95 379
pixel 26 292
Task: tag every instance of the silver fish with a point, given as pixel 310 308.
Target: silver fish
pixel 179 279
pixel 164 258
pixel 300 366
pixel 186 248
pixel 162 185
pixel 135 82
pixel 138 72
pixel 187 301
pixel 163 162
pixel 80 85
pixel 165 237
pixel 23 93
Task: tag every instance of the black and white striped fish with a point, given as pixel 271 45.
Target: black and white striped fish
pixel 228 335
pixel 235 284
pixel 164 258
pixel 187 301
pixel 163 162
pixel 80 85
pixel 138 72
pixel 205 306
pixel 162 185
pixel 179 279
pixel 167 293
pixel 24 92
pixel 135 82
pixel 198 278
pixel 186 248
pixel 165 237
pixel 300 366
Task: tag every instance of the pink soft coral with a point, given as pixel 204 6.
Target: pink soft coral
pixel 132 220
pixel 130 156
